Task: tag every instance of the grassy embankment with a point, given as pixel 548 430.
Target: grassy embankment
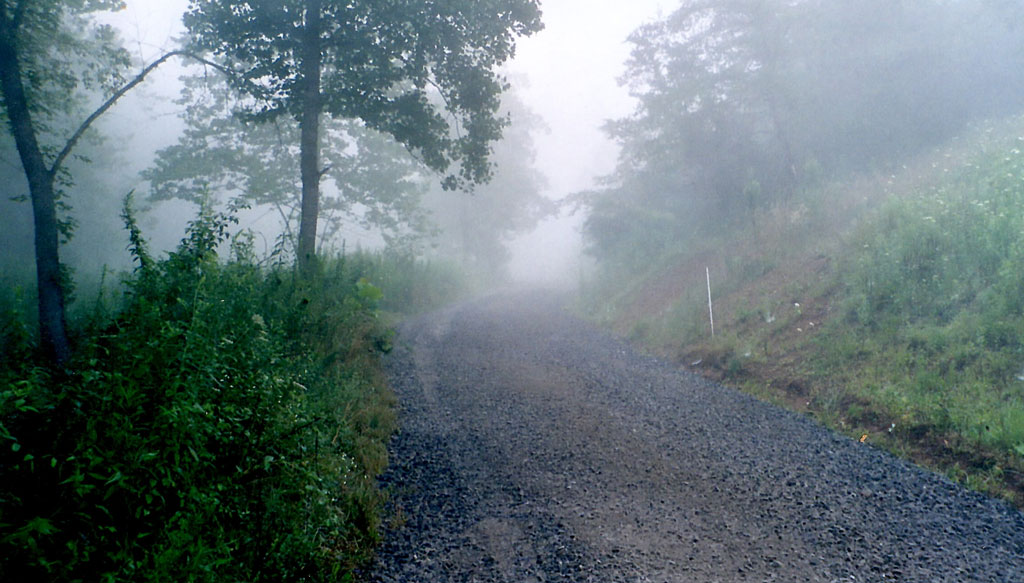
pixel 890 308
pixel 221 421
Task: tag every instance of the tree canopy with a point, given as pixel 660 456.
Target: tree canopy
pixel 423 72
pixel 371 181
pixel 743 101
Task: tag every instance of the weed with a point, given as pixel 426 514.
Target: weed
pixel 918 312
pixel 225 422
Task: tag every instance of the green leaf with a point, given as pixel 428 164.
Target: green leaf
pixel 118 476
pixel 39 525
pixel 369 292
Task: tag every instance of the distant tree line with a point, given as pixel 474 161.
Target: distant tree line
pixel 744 102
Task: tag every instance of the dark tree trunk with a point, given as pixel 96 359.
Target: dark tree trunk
pixel 309 143
pixel 52 330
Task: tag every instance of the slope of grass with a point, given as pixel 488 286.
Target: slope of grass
pixel 890 307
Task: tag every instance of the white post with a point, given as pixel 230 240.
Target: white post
pixel 711 311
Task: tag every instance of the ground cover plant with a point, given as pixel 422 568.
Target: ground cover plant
pixel 933 293
pixel 225 422
pixel 893 313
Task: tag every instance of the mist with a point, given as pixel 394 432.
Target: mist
pixel 571 71
pixel 580 85
pixel 565 76
pixel 598 232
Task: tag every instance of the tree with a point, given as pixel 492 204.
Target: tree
pixel 395 65
pixel 742 102
pixel 373 181
pixel 477 228
pixel 713 115
pixel 48 54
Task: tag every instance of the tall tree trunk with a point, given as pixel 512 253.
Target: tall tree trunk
pixel 309 141
pixel 770 57
pixel 52 329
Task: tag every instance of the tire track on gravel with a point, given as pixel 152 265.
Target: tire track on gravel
pixel 535 448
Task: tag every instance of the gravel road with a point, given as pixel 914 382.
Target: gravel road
pixel 535 448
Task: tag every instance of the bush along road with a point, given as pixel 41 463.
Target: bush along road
pixel 536 448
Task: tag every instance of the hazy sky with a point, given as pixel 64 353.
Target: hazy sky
pixel 570 72
pixel 570 69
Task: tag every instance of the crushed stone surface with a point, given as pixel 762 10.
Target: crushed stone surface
pixel 535 448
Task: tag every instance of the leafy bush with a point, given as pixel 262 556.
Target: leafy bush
pixel 928 256
pixel 934 284
pixel 409 285
pixel 225 426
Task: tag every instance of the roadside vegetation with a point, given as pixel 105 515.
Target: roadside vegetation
pixel 221 419
pixel 893 313
pixel 219 414
pixel 849 175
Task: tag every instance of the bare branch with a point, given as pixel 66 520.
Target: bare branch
pixel 286 220
pixel 73 140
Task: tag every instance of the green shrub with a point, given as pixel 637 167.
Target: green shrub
pixel 409 285
pixel 225 426
pixel 934 283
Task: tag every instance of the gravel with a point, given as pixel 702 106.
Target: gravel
pixel 535 448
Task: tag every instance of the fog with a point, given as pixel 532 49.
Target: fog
pixel 572 69
pixel 818 201
pixel 567 74
pixel 782 107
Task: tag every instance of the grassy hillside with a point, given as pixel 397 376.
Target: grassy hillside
pixel 890 307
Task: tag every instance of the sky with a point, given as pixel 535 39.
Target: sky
pixel 572 68
pixel 567 74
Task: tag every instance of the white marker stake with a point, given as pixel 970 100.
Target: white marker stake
pixel 711 312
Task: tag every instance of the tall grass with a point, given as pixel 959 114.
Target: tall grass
pixel 410 285
pixel 224 423
pixel 935 294
pixel 918 275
